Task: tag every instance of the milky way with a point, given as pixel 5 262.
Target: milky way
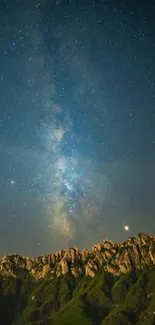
pixel 70 192
pixel 77 131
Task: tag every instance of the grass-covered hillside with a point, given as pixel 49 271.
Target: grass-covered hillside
pixel 105 299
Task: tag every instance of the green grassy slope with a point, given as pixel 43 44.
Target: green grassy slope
pixel 102 300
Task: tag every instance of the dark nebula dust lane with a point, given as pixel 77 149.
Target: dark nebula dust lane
pixel 77 123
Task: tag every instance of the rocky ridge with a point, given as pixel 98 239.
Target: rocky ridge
pixel 114 258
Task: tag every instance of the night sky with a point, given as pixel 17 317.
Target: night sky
pixel 77 123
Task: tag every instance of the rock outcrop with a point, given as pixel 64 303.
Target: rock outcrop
pixel 115 258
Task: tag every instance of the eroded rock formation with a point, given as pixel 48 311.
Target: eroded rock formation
pixel 115 258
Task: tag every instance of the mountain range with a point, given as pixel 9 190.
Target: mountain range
pixel 111 284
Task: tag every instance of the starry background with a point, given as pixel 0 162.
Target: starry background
pixel 77 123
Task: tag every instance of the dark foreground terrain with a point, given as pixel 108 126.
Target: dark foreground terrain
pixel 109 285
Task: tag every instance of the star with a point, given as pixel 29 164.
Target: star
pixel 12 182
pixel 126 228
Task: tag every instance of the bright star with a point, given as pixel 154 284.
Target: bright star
pixel 126 228
pixel 12 182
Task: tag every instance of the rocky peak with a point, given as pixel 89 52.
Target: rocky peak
pixel 115 258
